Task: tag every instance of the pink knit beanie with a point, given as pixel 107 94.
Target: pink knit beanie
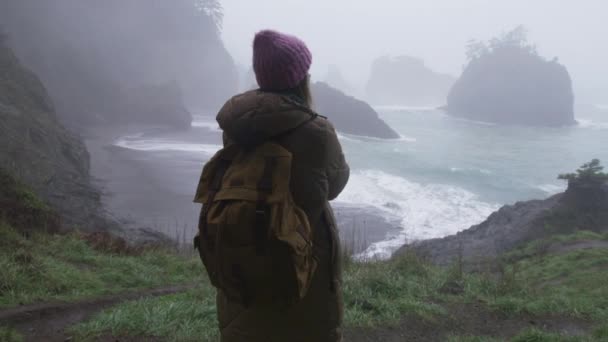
pixel 280 61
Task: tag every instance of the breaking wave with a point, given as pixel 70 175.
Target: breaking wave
pixel 158 145
pixel 424 211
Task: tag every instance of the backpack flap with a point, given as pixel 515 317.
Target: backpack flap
pixel 291 226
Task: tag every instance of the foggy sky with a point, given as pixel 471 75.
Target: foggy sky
pixel 352 33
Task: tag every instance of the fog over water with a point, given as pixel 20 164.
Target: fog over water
pixel 131 71
pixel 352 33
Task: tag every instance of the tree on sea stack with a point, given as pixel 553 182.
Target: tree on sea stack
pixel 516 39
pixel 590 172
pixel 212 8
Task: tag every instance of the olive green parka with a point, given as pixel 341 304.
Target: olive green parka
pixel 319 173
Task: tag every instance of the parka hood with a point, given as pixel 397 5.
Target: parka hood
pixel 257 116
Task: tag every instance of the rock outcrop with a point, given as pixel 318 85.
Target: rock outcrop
pixel 159 104
pixel 38 150
pixel 406 81
pixel 584 206
pixel 348 114
pixel 507 82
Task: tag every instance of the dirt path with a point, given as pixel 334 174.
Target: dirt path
pixel 48 322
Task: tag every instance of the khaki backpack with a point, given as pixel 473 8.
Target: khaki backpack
pixel 255 243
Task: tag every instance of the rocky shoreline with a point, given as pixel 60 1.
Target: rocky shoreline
pixel 582 207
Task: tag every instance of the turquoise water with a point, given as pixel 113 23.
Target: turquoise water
pixel 443 176
pixel 447 174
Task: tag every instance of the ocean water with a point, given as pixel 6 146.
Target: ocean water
pixel 442 176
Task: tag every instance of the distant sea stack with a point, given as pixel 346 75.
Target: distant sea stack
pixel 348 114
pixel 406 81
pixel 507 82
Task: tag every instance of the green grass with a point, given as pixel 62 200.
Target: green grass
pixel 383 292
pixel 20 193
pixel 188 316
pixel 470 338
pixel 536 335
pixel 63 267
pixel 601 332
pixel 9 335
pixel 570 284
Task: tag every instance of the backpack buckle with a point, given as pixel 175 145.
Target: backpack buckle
pixel 261 228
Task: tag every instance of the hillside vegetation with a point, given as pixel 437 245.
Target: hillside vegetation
pixel 531 296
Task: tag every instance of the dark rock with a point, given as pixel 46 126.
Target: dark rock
pixel 509 83
pixel 581 207
pixel 127 242
pixel 406 80
pixel 452 287
pixel 159 104
pixel 38 150
pixel 146 237
pixel 348 114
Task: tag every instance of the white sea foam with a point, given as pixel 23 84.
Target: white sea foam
pixel 551 189
pixel 425 211
pixel 470 170
pixel 381 108
pixel 354 137
pixel 206 122
pixel 588 123
pixel 471 121
pixel 152 145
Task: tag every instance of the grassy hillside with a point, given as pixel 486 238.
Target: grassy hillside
pixel 558 284
pixel 45 267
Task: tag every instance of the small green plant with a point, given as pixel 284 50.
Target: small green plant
pixel 601 332
pixel 9 335
pixel 588 172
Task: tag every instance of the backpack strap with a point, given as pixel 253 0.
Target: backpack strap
pixel 264 187
pixel 262 212
pixel 216 184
